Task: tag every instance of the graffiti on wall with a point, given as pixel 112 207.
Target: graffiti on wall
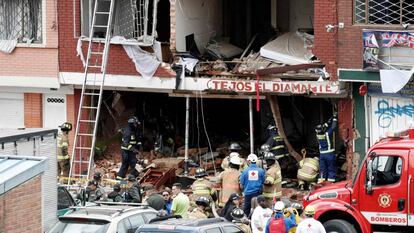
pixel 386 112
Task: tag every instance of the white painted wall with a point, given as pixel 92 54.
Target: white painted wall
pixel 201 17
pixel 389 114
pixel 301 14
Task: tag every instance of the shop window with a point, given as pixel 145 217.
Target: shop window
pixel 131 19
pixel 21 20
pixel 386 170
pixel 384 11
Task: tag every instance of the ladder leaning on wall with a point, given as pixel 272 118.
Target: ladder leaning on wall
pixel 92 91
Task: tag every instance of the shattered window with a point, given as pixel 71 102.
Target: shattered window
pixel 384 11
pixel 21 20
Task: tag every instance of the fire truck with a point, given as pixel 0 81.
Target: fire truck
pixel 379 198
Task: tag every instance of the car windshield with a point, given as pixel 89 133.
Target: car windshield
pixel 80 227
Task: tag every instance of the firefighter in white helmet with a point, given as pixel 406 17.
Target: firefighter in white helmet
pixel 310 224
pixel 229 180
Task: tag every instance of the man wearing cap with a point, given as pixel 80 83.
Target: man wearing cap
pixel 115 195
pixel 63 147
pixel 133 192
pixel 251 181
pixel 229 180
pixel 310 224
pixel 94 193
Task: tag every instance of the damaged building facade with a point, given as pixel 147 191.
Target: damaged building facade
pixel 228 57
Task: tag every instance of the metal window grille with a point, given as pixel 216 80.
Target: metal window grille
pixel 384 11
pixel 21 20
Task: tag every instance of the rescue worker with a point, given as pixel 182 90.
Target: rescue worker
pixel 115 195
pixel 276 142
pixel 234 149
pixel 310 224
pixel 203 187
pixel 240 220
pixel 327 160
pixel 200 211
pixel 272 187
pixel 94 193
pixel 278 223
pixel 308 171
pixel 131 142
pixel 229 180
pixel 251 181
pixel 63 147
pixel 133 192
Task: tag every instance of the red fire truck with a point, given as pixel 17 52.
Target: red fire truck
pixel 379 198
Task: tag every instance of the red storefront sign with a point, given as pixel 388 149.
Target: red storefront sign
pixel 295 87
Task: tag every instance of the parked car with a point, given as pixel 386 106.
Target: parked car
pixel 172 225
pixel 105 218
pixel 65 201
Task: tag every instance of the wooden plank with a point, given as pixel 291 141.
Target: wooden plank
pixel 274 105
pixel 283 69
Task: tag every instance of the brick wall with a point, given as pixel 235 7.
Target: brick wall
pixel 118 63
pixel 35 61
pixel 33 110
pixel 20 210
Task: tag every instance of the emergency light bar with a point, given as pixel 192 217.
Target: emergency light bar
pixel 402 133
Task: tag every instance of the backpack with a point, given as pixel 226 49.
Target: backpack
pixel 277 225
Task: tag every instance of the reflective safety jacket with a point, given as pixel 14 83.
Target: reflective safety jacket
pixel 203 187
pixel 325 140
pixel 131 138
pixel 63 145
pixel 272 187
pixel 277 145
pixel 229 182
pixel 309 168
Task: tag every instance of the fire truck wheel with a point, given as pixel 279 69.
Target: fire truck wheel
pixel 338 226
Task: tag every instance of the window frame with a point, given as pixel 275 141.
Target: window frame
pixel 367 15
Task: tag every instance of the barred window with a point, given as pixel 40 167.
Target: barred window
pixel 21 20
pixel 384 11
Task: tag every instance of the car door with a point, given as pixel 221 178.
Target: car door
pixel 384 197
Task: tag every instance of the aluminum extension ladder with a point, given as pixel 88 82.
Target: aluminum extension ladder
pixel 92 91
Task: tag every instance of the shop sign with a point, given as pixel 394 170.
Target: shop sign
pixel 283 87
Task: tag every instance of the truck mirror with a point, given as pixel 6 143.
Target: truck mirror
pixel 369 177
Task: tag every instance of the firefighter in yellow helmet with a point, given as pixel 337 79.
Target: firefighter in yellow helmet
pixel 272 187
pixel 308 171
pixel 63 149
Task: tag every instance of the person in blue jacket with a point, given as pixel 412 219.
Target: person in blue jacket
pixel 279 221
pixel 251 182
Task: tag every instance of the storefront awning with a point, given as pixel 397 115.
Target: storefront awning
pixel 353 75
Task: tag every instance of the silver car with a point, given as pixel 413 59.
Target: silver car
pixel 115 218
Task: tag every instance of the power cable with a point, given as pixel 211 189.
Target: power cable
pixel 205 131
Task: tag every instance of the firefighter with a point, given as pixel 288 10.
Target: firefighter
pixel 63 147
pixel 200 212
pixel 310 224
pixel 241 220
pixel 202 187
pixel 234 149
pixel 131 143
pixel 308 171
pixel 272 186
pixel 327 160
pixel 276 142
pixel 229 180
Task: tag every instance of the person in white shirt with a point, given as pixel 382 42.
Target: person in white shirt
pixel 261 215
pixel 309 224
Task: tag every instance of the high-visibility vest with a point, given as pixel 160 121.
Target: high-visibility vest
pixel 272 187
pixel 229 180
pixel 63 147
pixel 309 168
pixel 326 144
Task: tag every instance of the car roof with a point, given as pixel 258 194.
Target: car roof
pixel 183 224
pixel 104 212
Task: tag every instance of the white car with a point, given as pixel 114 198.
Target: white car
pixel 105 218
